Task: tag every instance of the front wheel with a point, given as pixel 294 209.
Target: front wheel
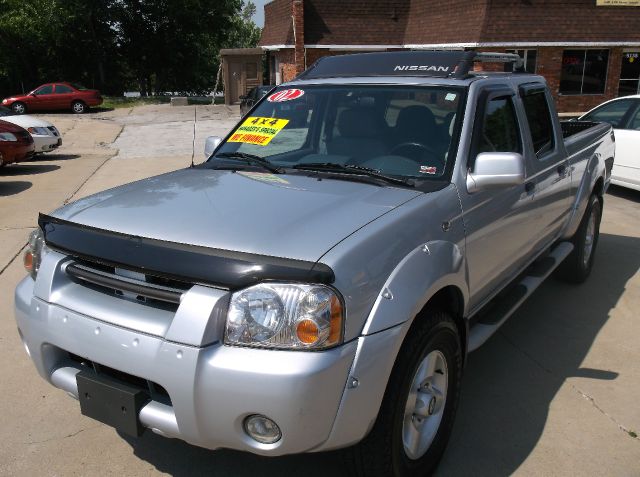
pixel 19 108
pixel 78 107
pixel 416 417
pixel 577 266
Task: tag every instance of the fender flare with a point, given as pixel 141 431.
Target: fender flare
pixel 423 272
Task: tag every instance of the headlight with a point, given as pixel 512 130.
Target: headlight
pixel 7 137
pixel 39 131
pixel 33 253
pixel 285 316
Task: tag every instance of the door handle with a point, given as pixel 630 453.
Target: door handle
pixel 529 186
pixel 562 170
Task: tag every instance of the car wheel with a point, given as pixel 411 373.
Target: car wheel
pixel 417 413
pixel 577 266
pixel 78 107
pixel 19 108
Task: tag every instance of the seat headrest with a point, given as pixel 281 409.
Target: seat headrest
pixel 416 117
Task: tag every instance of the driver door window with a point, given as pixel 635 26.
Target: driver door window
pixel 44 98
pixel 612 113
pixel 48 89
pixel 500 131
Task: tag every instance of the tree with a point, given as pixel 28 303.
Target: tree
pixel 244 32
pixel 113 45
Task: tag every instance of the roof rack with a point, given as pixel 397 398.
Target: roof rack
pixel 436 64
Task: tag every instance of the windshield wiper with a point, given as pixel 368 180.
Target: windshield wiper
pixel 251 159
pixel 353 169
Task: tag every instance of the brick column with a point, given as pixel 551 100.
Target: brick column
pixel 298 28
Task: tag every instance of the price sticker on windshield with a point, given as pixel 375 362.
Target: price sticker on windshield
pixel 258 131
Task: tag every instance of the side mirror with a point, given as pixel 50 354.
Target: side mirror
pixel 495 170
pixel 33 94
pixel 210 145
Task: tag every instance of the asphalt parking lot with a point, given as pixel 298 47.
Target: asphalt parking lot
pixel 553 393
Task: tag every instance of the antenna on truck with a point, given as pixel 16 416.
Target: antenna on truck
pixel 193 142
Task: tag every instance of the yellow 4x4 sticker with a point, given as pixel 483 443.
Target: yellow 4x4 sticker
pixel 258 131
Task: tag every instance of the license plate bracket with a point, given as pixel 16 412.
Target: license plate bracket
pixel 111 402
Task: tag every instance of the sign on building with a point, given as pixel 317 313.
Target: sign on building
pixel 618 3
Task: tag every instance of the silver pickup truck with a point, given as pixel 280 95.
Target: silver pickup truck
pixel 319 281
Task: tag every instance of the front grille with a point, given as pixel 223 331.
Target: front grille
pixel 146 289
pixel 154 390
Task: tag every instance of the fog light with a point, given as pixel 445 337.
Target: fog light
pixel 262 429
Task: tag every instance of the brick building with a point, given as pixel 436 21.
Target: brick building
pixel 588 50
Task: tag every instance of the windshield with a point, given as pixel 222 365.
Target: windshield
pixel 5 111
pixel 397 130
pixel 79 87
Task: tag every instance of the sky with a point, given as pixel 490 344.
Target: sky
pixel 258 18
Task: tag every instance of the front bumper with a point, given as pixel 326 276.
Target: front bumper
pixel 212 388
pixel 46 143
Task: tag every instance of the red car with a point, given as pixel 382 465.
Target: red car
pixel 52 96
pixel 16 144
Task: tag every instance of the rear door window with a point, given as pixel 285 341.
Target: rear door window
pixel 538 115
pixel 63 89
pixel 635 120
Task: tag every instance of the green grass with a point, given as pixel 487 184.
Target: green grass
pixel 113 102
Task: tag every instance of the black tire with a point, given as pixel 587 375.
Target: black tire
pixel 577 266
pixel 79 107
pixel 382 452
pixel 19 108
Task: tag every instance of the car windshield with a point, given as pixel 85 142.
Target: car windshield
pixel 79 87
pixel 5 111
pixel 396 130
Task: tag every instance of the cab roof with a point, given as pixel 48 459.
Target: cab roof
pixel 422 64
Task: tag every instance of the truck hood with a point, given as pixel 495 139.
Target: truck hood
pixel 289 216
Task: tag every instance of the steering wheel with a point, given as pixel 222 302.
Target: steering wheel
pixel 416 146
pixel 425 154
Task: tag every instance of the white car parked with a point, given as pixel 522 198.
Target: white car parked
pixel 46 136
pixel 624 115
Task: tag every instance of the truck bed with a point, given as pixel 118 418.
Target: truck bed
pixel 580 134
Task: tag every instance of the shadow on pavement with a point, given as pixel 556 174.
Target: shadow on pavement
pixel 13 187
pixel 180 459
pixel 507 389
pixel 55 157
pixel 24 169
pixel 510 382
pixel 624 193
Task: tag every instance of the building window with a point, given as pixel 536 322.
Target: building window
pixel 630 74
pixel 529 57
pixel 584 71
pixel 252 70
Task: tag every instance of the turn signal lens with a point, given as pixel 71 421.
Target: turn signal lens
pixel 307 332
pixel 28 261
pixel 335 331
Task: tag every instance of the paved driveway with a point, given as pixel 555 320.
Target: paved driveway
pixel 553 393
